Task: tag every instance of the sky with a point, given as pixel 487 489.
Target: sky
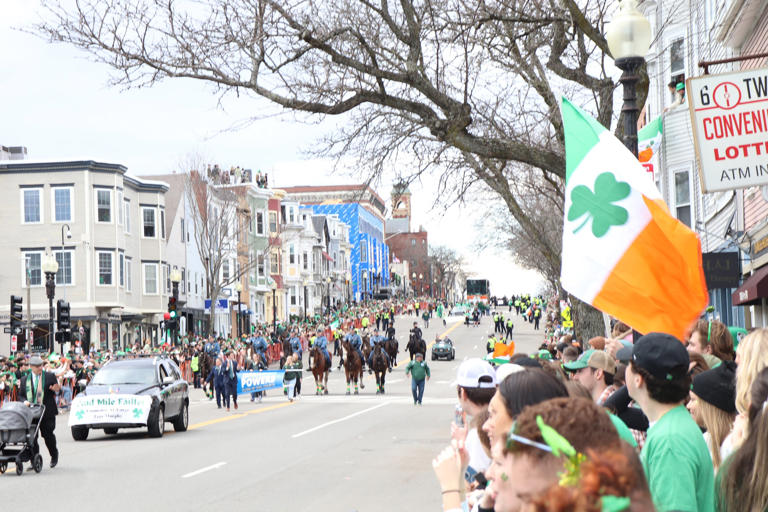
pixel 58 103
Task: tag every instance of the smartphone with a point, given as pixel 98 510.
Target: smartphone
pixel 458 416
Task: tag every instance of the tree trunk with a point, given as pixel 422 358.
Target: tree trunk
pixel 587 321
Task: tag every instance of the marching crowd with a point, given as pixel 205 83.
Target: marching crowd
pixel 613 424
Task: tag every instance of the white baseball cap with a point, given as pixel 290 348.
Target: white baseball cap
pixel 476 373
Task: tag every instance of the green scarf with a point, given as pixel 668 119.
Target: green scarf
pixel 32 395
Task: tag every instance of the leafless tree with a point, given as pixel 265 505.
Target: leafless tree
pixel 446 266
pixel 469 88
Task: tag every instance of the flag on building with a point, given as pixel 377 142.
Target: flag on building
pixel 622 250
pixel 649 145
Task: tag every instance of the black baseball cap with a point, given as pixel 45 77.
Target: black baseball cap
pixel 718 386
pixel 661 355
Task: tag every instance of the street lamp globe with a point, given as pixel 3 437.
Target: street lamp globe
pixel 273 284
pixel 328 280
pixel 306 282
pixel 176 275
pixel 421 276
pixel 239 287
pixel 50 265
pixel 629 33
pixel 413 275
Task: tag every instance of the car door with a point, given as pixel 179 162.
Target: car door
pixel 166 391
pixel 177 388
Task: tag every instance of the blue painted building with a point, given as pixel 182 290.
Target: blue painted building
pixel 355 206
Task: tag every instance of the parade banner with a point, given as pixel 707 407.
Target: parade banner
pixel 623 252
pixel 105 409
pixel 249 382
pixel 730 128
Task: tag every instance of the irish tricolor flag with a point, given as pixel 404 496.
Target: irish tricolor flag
pixel 622 250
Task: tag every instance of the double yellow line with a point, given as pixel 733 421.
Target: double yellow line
pixel 238 415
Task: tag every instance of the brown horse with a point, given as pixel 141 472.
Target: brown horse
pixel 320 371
pixel 391 347
pixel 380 367
pixel 353 367
pixel 366 348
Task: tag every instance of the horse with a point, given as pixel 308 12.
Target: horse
pixel 391 347
pixel 320 371
pixel 366 348
pixel 416 346
pixel 380 367
pixel 285 350
pixel 205 362
pixel 353 367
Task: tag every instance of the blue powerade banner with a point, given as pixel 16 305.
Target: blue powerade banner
pixel 248 382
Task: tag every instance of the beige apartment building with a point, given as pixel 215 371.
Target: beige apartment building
pixel 106 230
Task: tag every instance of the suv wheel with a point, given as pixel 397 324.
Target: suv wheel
pixel 181 422
pixel 79 433
pixel 156 424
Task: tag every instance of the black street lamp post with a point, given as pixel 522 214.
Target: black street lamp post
pixel 239 289
pixel 629 37
pixel 274 308
pixel 50 267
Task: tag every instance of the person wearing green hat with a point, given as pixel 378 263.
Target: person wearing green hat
pixel 594 370
pixel 40 387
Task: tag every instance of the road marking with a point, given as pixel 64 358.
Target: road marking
pixel 401 362
pixel 203 470
pixel 239 415
pixel 328 424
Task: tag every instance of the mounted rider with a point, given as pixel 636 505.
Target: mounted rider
pixel 416 331
pixel 375 340
pixel 321 342
pixel 356 342
pixel 295 343
pixel 212 347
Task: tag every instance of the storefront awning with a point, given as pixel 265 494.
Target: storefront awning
pixel 753 289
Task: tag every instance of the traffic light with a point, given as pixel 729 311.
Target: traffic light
pixel 16 309
pixel 173 315
pixel 62 315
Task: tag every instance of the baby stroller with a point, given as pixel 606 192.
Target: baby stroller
pixel 19 425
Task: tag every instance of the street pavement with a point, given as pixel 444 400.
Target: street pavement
pixel 320 453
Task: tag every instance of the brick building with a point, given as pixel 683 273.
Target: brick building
pixel 406 245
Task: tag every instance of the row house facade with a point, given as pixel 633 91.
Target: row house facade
pixel 107 231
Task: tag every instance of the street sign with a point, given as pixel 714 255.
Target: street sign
pixel 729 116
pixel 6 330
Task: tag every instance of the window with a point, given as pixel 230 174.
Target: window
pixel 677 57
pixel 260 265
pixel 259 223
pixel 291 215
pixel 363 251
pixel 120 211
pixel 127 208
pixel 413 241
pixel 183 231
pixel 105 268
pixel 167 278
pixel 150 278
pixel 292 255
pixel 104 205
pixel 274 266
pixel 128 275
pixel 32 268
pixel 148 217
pixel 225 270
pixel 293 295
pixel 62 204
pixel 121 268
pixel 162 224
pixel 305 262
pixel 197 278
pixel 183 283
pixel 273 222
pixel 32 209
pixel 683 197
pixel 64 275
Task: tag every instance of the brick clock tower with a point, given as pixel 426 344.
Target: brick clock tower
pixel 401 203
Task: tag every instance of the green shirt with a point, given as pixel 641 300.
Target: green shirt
pixel 677 464
pixel 418 370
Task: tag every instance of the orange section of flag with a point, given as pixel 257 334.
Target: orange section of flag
pixel 658 284
pixel 501 349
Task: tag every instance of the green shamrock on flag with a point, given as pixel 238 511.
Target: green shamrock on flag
pixel 80 414
pixel 136 412
pixel 598 204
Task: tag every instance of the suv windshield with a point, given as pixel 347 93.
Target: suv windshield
pixel 125 375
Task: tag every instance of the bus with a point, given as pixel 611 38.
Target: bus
pixel 478 290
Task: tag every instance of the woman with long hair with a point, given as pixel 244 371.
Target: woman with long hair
pixel 743 479
pixel 713 406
